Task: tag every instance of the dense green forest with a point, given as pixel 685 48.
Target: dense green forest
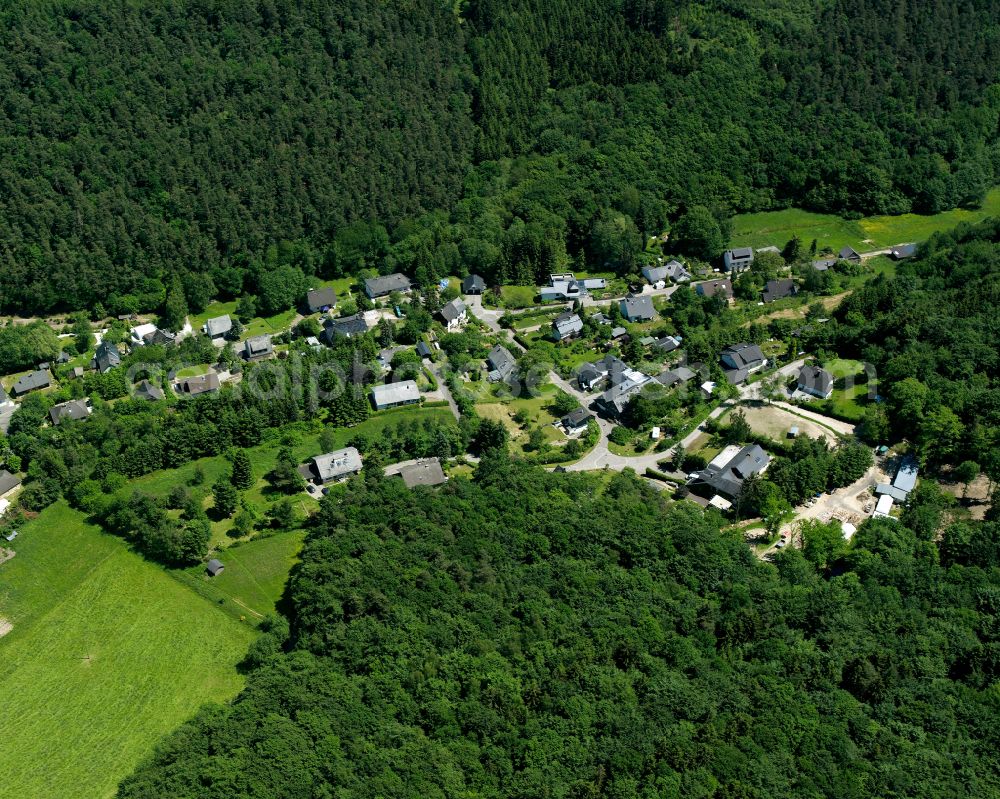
pixel 196 147
pixel 592 639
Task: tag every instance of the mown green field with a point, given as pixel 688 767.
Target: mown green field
pixel 107 654
pixel 868 233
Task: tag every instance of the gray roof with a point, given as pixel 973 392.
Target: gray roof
pixel 395 393
pixel 386 284
pixel 219 326
pixel 710 288
pixel 615 399
pixel 427 472
pixel 654 274
pixel 778 289
pixel 637 308
pixel 74 409
pixel 906 477
pixel 609 366
pixel 146 390
pixel 815 380
pixel 32 382
pixel 453 310
pixel 904 251
pixel 568 324
pixel 354 325
pixel 741 252
pixel 848 253
pixel 3 396
pixel 473 284
pixel 8 481
pixel 214 566
pixel 742 355
pixel 898 494
pixel 577 418
pixel 258 346
pixel 668 343
pixel 500 362
pixel 337 464
pixel 106 357
pixel 200 384
pixel 824 264
pixel 423 350
pixel 321 299
pixel 727 479
pixel 158 336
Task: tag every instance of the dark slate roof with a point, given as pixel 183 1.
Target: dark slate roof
pixel 728 478
pixel 423 350
pixel 74 409
pixel 106 356
pixel 200 384
pixel 637 308
pixel 710 288
pixel 668 343
pixel 815 379
pixel 823 264
pixel 577 418
pixel 159 336
pixel 500 360
pixel 742 355
pixel 354 325
pixel 904 251
pixel 473 284
pixel 848 253
pixel 453 310
pixel 778 289
pixel 214 566
pixel 386 284
pixel 427 472
pixel 8 481
pixel 31 382
pixel 321 299
pixel 146 390
pixel 258 346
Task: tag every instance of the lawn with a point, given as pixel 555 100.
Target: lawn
pixel 868 233
pixel 849 398
pixel 257 327
pixel 108 653
pixel 518 296
pixel 255 574
pixel 537 412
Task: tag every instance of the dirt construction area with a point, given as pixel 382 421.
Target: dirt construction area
pixel 774 422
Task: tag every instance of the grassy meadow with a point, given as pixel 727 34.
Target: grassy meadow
pixel 107 654
pixel 868 233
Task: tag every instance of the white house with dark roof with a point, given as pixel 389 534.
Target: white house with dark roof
pixel 725 474
pixel 815 381
pixel 738 259
pixel 454 314
pixel 473 284
pixel 501 364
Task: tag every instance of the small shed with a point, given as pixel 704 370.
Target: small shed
pixel 793 431
pixel 214 567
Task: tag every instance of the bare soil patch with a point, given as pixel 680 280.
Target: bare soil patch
pixel 775 422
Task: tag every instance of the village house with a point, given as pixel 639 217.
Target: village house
pixel 376 287
pixel 779 289
pixel 8 483
pixel 394 395
pixel 725 474
pixel 33 381
pixel 72 410
pixel 257 347
pixel 611 368
pixel 668 344
pixel 576 421
pixel 454 315
pixel 901 251
pixel 741 360
pixel 612 403
pixel 823 264
pixel 849 254
pixel 815 381
pixel 336 465
pixel 218 327
pixel 347 326
pixel 738 259
pixel 565 326
pixel 199 384
pixel 473 284
pixel 501 364
pixel 148 391
pixel 710 288
pixel 321 300
pixel 637 309
pixel 106 357
pixel 426 472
